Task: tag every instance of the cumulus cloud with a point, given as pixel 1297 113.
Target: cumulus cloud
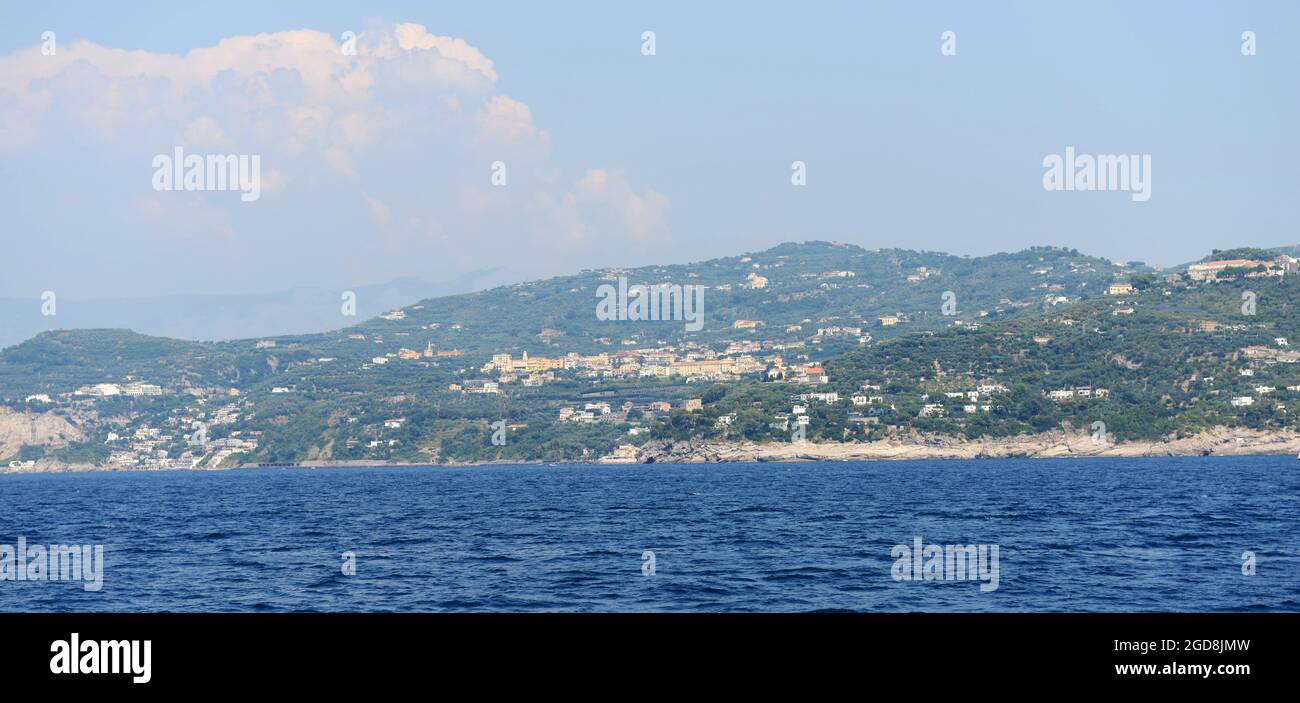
pixel 508 120
pixel 396 136
pixel 611 192
pixel 292 85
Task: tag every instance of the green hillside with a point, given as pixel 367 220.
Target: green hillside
pixel 803 289
pixel 1171 358
pixel 416 385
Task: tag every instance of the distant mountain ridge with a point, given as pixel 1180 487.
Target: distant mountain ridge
pixel 236 316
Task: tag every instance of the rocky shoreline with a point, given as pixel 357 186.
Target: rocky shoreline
pixel 1220 441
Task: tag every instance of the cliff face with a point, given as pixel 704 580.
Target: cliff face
pixel 19 428
pixel 1220 441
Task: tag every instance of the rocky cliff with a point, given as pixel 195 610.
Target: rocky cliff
pixel 47 429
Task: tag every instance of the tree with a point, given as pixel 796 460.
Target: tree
pixel 715 393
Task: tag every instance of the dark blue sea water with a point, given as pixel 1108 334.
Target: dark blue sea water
pixel 1074 534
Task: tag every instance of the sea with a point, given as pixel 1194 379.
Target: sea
pixel 1095 534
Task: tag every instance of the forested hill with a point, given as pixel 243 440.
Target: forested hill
pixel 829 340
pixel 1165 361
pixel 787 292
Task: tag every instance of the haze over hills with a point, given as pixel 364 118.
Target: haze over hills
pixel 864 345
pixel 213 317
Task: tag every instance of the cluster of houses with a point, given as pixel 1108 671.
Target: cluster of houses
pixel 147 447
pixel 107 390
pixel 692 367
pixel 1281 265
pixel 132 389
pixel 1222 270
pixel 598 411
pixel 972 401
pixel 1268 356
pixel 1077 393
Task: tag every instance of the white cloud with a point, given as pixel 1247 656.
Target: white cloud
pixel 413 118
pixel 609 195
pixel 411 37
pixel 204 133
pixel 508 120
pixel 294 84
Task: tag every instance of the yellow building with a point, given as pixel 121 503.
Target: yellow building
pixel 624 454
pixel 541 363
pixel 693 368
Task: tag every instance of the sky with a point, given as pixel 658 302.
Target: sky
pixel 379 164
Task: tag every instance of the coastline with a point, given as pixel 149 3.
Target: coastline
pixel 1219 441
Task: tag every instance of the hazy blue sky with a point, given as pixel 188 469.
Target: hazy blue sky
pixel 378 165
